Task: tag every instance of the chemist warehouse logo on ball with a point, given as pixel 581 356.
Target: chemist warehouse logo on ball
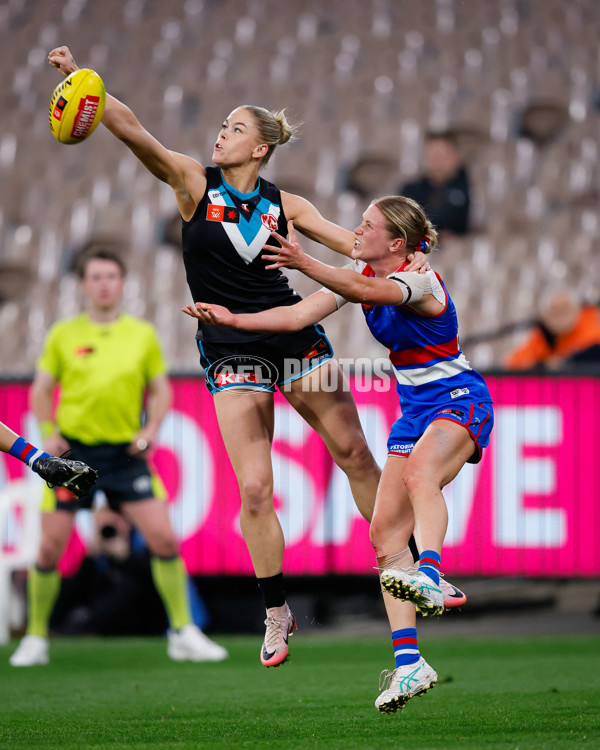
pixel 255 372
pixel 86 112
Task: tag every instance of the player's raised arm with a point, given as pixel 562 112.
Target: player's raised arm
pixel 185 175
pixel 308 220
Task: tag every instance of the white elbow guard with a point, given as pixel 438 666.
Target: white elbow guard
pixel 416 285
pixel 339 300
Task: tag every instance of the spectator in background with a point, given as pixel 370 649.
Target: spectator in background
pixel 543 121
pixel 443 190
pixel 113 593
pixel 565 332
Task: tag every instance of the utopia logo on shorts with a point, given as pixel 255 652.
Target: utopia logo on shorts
pixel 253 372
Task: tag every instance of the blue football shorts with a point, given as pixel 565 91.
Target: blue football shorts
pixel 476 418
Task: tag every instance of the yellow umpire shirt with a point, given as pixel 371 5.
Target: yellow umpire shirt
pixel 103 370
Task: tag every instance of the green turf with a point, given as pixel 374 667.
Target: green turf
pixel 493 693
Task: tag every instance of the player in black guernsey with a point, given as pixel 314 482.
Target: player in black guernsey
pixel 222 248
pixel 228 213
pixel 222 251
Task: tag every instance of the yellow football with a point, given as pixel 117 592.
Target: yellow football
pixel 76 106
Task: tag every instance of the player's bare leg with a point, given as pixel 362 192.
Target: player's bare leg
pixel 333 415
pixel 436 459
pixel 246 422
pixel 390 530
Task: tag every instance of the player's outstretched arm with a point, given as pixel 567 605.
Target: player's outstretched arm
pixel 185 175
pixel 75 475
pixel 308 220
pixel 7 437
pixel 310 310
pixel 346 282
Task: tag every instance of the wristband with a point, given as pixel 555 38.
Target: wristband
pixel 47 428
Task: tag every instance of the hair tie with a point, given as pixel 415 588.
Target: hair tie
pixel 424 244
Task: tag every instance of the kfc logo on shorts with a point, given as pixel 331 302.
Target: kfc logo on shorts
pixel 240 371
pixel 235 378
pixel 269 221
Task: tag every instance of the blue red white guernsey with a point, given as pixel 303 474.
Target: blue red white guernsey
pixel 222 248
pixel 429 366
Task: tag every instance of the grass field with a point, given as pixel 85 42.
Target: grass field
pixel 126 693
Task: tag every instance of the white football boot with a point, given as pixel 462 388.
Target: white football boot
pixel 190 644
pixel 32 650
pixel 403 683
pixel 410 584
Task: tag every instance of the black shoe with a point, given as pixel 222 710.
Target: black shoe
pixel 60 471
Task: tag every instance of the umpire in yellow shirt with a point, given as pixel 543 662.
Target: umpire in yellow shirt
pixel 105 362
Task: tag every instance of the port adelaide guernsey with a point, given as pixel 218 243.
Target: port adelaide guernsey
pixel 222 249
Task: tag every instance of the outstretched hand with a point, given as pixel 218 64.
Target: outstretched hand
pixel 62 59
pixel 212 315
pixel 289 255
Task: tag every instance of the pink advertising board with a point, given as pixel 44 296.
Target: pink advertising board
pixel 531 507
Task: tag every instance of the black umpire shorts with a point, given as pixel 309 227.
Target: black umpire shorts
pixel 121 477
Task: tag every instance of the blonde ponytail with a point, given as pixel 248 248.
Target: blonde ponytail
pixel 273 127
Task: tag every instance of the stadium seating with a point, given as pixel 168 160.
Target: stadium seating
pixel 519 81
